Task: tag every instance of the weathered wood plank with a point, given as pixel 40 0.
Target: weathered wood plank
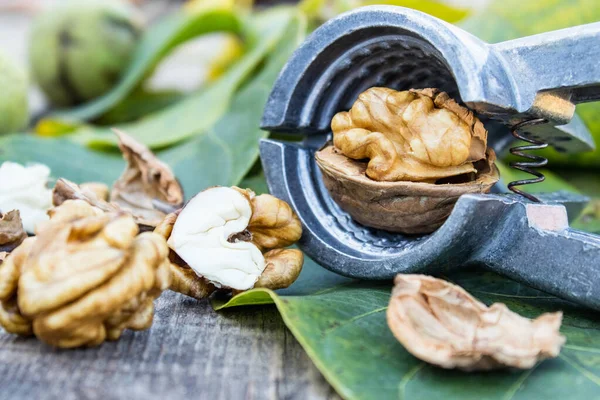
pixel 190 352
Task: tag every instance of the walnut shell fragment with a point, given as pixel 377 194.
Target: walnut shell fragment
pixel 442 324
pixel 230 239
pixel 145 180
pixel 66 190
pixel 85 278
pixel 405 207
pixel 12 232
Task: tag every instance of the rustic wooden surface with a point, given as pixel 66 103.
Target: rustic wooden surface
pixel 190 352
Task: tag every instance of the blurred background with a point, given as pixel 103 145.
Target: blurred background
pixel 184 70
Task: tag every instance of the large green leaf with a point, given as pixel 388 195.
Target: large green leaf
pixel 586 182
pixel 224 154
pixel 198 112
pixel 138 104
pixel 342 326
pixel 511 19
pixel 157 41
pixel 65 158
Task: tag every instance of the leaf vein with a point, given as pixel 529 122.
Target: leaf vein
pixel 353 319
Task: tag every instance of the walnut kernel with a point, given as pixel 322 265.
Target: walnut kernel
pixel 231 239
pixel 85 278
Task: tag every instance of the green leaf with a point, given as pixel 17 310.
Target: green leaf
pixel 139 103
pixel 552 183
pixel 257 183
pixel 438 8
pixel 342 326
pixel 443 9
pixel 225 153
pixel 198 112
pixel 65 158
pixel 157 42
pixel 511 19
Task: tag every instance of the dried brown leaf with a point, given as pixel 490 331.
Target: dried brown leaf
pixel 442 324
pixel 145 180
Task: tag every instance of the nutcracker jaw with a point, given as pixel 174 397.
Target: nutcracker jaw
pixel 528 78
pixel 400 48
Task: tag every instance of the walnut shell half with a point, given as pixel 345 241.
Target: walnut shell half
pixel 440 323
pixel 405 207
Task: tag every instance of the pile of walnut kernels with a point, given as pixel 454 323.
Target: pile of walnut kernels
pixel 95 266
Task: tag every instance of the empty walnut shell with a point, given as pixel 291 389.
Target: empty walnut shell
pixel 440 323
pixel 405 207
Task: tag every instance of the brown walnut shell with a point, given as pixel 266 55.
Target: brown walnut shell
pixel 404 207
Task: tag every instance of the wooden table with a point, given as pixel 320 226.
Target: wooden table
pixel 190 352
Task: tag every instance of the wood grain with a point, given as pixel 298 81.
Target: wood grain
pixel 190 352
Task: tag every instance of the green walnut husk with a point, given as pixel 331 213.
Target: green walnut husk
pixel 14 111
pixel 80 49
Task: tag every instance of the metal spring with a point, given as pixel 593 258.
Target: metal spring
pixel 528 166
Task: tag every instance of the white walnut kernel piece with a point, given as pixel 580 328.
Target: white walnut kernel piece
pixel 416 135
pixel 184 280
pixel 201 235
pixel 228 238
pixel 24 188
pixel 442 324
